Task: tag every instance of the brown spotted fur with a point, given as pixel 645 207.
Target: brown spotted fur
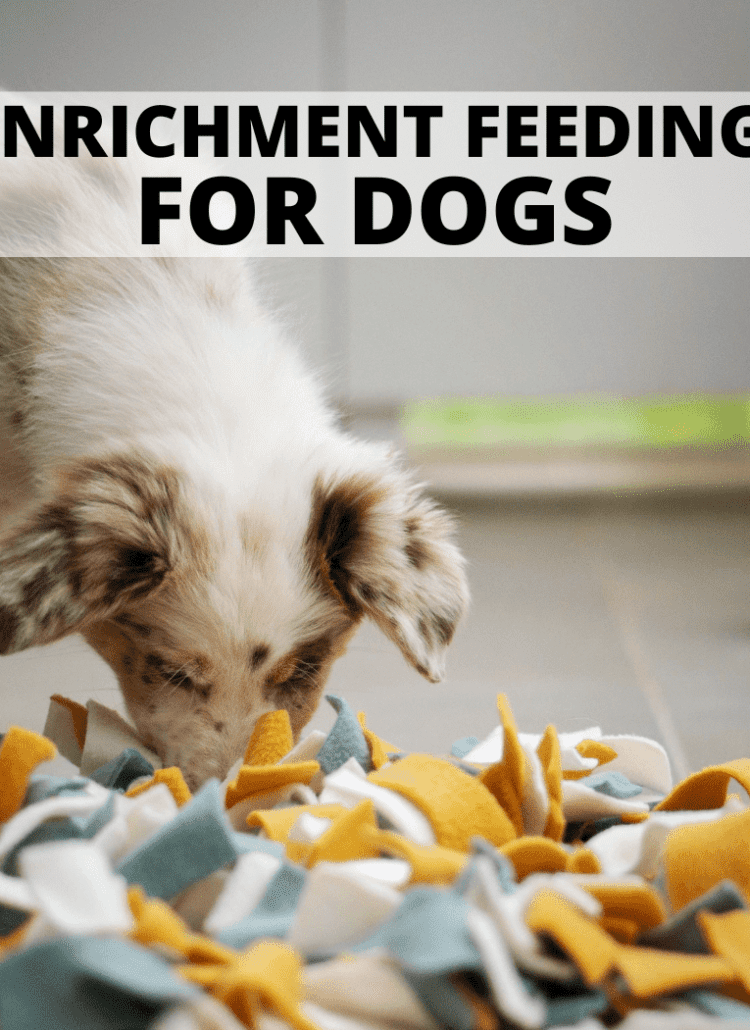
pixel 174 487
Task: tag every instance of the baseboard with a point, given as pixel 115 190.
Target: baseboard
pixel 556 469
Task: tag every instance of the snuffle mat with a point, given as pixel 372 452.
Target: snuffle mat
pixel 342 883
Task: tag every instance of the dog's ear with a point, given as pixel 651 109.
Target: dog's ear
pixel 104 539
pixel 388 553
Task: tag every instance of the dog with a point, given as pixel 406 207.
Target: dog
pixel 193 509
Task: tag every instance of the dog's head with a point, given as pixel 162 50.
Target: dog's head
pixel 212 613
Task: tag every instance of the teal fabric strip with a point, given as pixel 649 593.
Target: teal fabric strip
pixel 121 771
pixel 567 1004
pixel 718 1005
pixel 427 934
pixel 442 1000
pixel 244 842
pixel 42 787
pixel 682 932
pixel 273 914
pixel 198 840
pixel 11 919
pixel 87 983
pixel 73 827
pixel 462 747
pixel 506 873
pixel 572 1010
pixel 613 784
pixel 67 828
pixel 346 739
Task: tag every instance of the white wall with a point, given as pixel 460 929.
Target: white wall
pixel 388 329
pixel 538 326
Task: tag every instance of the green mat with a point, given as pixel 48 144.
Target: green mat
pixel 680 420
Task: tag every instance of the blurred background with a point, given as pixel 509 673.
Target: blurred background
pixel 610 578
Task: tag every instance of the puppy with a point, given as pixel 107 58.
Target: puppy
pixel 193 508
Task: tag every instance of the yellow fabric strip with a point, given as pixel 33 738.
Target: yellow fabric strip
pixel 277 822
pixel 647 971
pixel 729 936
pixel 706 789
pixel 536 855
pixel 258 779
pixel 436 865
pixel 268 975
pixel 549 756
pixel 635 901
pixel 650 972
pixel 157 923
pixel 174 780
pixel 458 806
pixel 698 857
pixel 583 861
pixel 592 950
pixel 20 753
pixel 623 930
pixel 379 748
pixel 590 749
pixel 505 779
pixel 349 837
pixel 272 738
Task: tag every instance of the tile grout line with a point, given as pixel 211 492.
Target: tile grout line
pixel 625 625
pixel 649 685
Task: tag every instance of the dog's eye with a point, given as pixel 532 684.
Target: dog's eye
pixel 291 680
pixel 282 672
pixel 181 679
pixel 302 667
pixel 173 676
pixel 303 674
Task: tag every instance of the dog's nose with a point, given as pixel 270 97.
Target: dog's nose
pixel 196 774
pixel 194 780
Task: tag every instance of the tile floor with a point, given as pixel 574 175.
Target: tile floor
pixel 630 614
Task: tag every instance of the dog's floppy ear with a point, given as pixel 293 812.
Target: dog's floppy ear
pixel 388 553
pixel 103 540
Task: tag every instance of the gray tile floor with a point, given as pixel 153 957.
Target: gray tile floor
pixel 630 614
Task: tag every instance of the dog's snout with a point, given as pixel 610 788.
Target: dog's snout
pixel 202 756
